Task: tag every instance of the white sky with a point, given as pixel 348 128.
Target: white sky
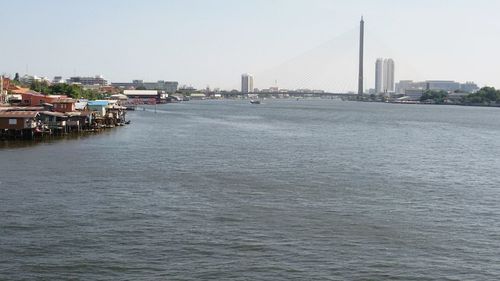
pixel 302 43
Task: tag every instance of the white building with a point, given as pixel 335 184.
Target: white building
pixel 29 79
pixel 442 85
pixel 58 79
pixel 404 85
pixel 96 80
pixel 384 76
pixel 379 71
pixel 388 76
pixel 246 83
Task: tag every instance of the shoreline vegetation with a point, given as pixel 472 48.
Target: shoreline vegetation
pixel 48 109
pixel 484 97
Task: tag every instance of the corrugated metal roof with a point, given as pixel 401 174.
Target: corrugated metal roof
pixel 98 103
pixel 18 114
pixel 21 108
pixel 80 105
pixel 140 92
pixel 51 113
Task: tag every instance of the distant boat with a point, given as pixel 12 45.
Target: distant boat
pixel 255 101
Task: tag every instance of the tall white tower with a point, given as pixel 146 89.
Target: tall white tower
pixel 388 76
pixel 246 83
pixel 379 74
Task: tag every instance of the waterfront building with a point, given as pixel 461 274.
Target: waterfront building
pixel 388 76
pixel 436 85
pixel 87 81
pixel 469 87
pixel 442 85
pixel 81 105
pixel 414 94
pixel 246 83
pixel 379 74
pixel 197 96
pixel 32 98
pixel 143 96
pixel 160 85
pixel 98 106
pixel 64 105
pixel 18 120
pixel 384 76
pixel 404 85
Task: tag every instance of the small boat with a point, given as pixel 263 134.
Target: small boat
pixel 255 101
pixel 127 122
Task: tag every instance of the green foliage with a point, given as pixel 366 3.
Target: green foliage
pixel 73 91
pixel 485 95
pixel 41 87
pixel 437 96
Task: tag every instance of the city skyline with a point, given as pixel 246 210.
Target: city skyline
pixel 457 46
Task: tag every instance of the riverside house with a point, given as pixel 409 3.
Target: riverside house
pixel 59 117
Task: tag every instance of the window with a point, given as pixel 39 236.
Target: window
pixel 12 121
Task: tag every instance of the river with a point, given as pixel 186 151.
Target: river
pixel 284 190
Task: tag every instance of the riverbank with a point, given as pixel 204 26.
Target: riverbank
pixel 63 116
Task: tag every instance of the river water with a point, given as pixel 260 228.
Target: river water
pixel 285 190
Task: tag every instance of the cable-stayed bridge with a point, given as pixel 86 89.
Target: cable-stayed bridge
pixel 332 66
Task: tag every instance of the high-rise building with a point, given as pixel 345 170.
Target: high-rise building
pixel 388 76
pixel 384 76
pixel 246 83
pixel 379 74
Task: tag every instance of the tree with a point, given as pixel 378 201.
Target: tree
pixel 484 95
pixel 437 96
pixel 41 87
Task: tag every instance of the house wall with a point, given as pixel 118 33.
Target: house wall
pixel 101 110
pixel 20 123
pixel 32 100
pixel 64 107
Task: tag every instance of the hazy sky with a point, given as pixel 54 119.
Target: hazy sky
pixel 306 43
